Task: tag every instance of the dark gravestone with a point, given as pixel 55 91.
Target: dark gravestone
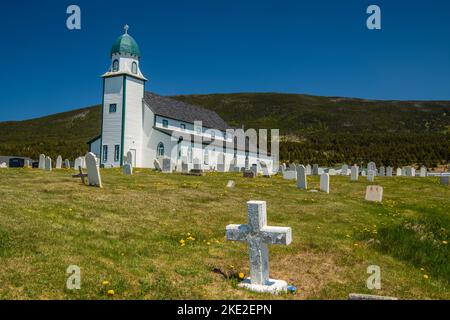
pixel 248 174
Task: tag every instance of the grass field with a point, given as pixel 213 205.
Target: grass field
pixel 128 234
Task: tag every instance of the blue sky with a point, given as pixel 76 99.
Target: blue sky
pixel 314 47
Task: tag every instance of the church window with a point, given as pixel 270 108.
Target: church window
pixel 160 149
pixel 134 67
pixel 183 126
pixel 116 152
pixel 206 157
pixel 112 108
pixel 105 153
pixel 115 67
pixel 165 123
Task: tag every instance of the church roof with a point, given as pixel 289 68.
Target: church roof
pixel 179 110
pixel 126 44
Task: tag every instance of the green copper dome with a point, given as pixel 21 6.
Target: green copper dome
pixel 126 44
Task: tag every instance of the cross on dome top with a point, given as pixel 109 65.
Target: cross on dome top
pixel 126 27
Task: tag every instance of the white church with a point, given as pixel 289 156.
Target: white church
pixel 152 127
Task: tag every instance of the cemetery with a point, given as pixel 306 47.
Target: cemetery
pixel 152 234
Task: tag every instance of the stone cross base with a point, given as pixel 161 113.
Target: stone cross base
pixel 272 286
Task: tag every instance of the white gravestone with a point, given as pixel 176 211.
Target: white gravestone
pixel 354 173
pixel 399 172
pixel 3 165
pixel 315 170
pixel 290 175
pixel 325 182
pixel 127 169
pixel 157 165
pixel 265 169
pixel 344 170
pixel 371 176
pixel 48 164
pixel 167 165
pixel 58 162
pixel 301 178
pixel 67 164
pixel 389 171
pixel 363 173
pixel 259 235
pixel 423 171
pixel 78 163
pixel 372 166
pixel 332 172
pixel 382 171
pixel 230 184
pixel 308 169
pixel 94 177
pixel 42 161
pixel 26 163
pixel 374 193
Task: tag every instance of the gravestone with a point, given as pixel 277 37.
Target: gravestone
pixel 127 169
pixel 3 165
pixel 230 184
pixel 363 173
pixel 184 167
pixel 423 171
pixel 67 164
pixel 259 235
pixel 344 170
pixel 444 180
pixel 290 175
pixel 382 171
pixel 292 167
pixel 58 162
pixel 26 163
pixel 308 169
pixel 315 169
pixel 157 165
pixel 325 182
pixel 372 166
pixel 354 173
pixel 83 162
pixel 42 161
pixel 399 172
pixel 167 165
pixel 389 171
pixel 129 158
pixel 371 176
pixel 48 164
pixel 255 169
pixel 78 163
pixel 332 172
pixel 374 193
pixel 94 178
pixel 301 178
pixel 265 169
pixel 404 170
pixel 248 173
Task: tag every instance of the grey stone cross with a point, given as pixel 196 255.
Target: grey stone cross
pixel 259 235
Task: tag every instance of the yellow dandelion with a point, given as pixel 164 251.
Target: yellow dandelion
pixel 183 244
pixel 355 244
pixel 181 241
pixel 241 275
pixel 105 282
pixel 444 242
pixel 110 293
pixel 208 243
pixel 422 269
pixel 425 276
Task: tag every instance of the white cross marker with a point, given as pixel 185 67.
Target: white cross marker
pixel 259 235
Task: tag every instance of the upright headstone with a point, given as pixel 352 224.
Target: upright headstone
pixel 26 163
pixel 315 169
pixel 42 161
pixel 78 163
pixel 301 178
pixel 58 162
pixel 259 235
pixel 265 169
pixel 382 171
pixel 127 169
pixel 332 172
pixel 94 178
pixel 3 165
pixel 423 171
pixel 344 170
pixel 363 173
pixel 67 164
pixel 372 166
pixel 157 165
pixel 129 158
pixel 48 164
pixel 374 193
pixel 308 169
pixel 389 171
pixel 325 182
pixel 167 165
pixel 371 176
pixel 255 169
pixel 399 172
pixel 444 180
pixel 354 173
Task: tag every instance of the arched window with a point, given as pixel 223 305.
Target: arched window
pixel 115 66
pixel 134 67
pixel 206 157
pixel 160 149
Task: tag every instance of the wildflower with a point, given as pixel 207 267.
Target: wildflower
pixel 105 282
pixel 444 242
pixel 110 293
pixel 241 275
pixel 208 243
pixel 422 269
pixel 181 241
pixel 425 276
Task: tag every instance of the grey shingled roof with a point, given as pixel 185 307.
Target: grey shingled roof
pixel 178 110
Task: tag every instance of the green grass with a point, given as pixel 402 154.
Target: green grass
pixel 128 233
